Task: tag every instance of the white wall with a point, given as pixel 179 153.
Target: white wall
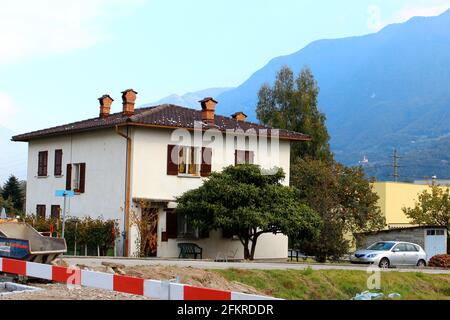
pixel 104 153
pixel 150 181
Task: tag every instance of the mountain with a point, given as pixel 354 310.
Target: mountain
pixel 381 91
pixel 13 156
pixel 191 99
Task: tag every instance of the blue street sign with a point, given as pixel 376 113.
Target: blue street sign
pixel 62 193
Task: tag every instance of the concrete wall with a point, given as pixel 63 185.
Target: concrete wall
pixel 416 235
pixel 104 153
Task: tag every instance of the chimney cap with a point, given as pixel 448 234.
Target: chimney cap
pixel 208 99
pixel 128 90
pixel 105 96
pixel 238 113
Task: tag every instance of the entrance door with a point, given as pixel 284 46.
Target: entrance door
pixel 149 232
pixel 435 242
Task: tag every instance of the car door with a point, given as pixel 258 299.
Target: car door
pixel 398 255
pixel 411 255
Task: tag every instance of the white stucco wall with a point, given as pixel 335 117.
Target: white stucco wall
pixel 150 181
pixel 104 153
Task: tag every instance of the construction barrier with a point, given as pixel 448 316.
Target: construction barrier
pixel 155 289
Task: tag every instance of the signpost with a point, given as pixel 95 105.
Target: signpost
pixel 65 194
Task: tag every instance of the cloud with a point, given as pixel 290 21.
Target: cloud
pixel 375 21
pixel 39 27
pixel 7 109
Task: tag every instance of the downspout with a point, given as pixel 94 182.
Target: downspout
pixel 127 189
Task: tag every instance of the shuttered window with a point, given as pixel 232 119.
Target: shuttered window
pixel 42 163
pixel 244 157
pixel 40 211
pixel 55 212
pixel 58 162
pixel 76 177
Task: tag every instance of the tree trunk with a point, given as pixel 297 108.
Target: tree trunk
pixel 252 253
pixel 247 255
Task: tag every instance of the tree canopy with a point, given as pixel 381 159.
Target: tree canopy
pixel 343 198
pixel 292 104
pixel 12 190
pixel 432 208
pixel 249 203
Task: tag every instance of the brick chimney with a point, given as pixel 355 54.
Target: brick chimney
pixel 208 109
pixel 239 116
pixel 128 100
pixel 105 105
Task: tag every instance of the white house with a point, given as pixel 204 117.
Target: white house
pixel 132 165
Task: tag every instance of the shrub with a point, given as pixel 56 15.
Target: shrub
pixel 440 261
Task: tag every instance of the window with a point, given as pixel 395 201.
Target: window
pixel 411 247
pixel 55 212
pixel 435 232
pixel 76 177
pixel 58 162
pixel 185 229
pixel 400 247
pixel 244 157
pixel 42 163
pixel 40 211
pixel 188 162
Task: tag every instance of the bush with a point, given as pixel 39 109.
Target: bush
pixel 440 261
pixel 86 231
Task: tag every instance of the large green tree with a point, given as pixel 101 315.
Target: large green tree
pixel 344 199
pixel 12 190
pixel 291 103
pixel 432 208
pixel 249 203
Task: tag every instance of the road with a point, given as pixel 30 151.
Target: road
pixel 202 264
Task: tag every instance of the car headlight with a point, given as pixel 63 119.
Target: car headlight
pixel 373 255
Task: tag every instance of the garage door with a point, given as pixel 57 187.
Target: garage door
pixel 435 242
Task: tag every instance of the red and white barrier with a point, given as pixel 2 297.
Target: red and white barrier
pixel 156 289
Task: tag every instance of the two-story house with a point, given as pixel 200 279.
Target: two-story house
pixel 131 166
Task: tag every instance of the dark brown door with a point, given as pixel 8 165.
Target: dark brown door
pixel 149 232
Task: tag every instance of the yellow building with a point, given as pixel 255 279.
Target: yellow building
pixel 396 195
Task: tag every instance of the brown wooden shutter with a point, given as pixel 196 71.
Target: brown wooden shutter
pixel 249 157
pixel 55 212
pixel 82 178
pixel 58 162
pixel 42 163
pixel 69 177
pixel 239 157
pixel 205 168
pixel 40 211
pixel 172 164
pixel 171 224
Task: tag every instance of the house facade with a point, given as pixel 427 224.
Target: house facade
pixel 132 165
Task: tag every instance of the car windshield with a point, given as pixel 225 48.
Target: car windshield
pixel 381 246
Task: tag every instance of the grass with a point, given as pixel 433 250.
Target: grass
pixel 312 284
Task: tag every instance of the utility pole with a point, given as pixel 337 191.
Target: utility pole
pixel 395 165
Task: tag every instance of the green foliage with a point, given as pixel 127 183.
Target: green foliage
pixel 292 104
pixel 84 231
pixel 243 199
pixel 8 205
pixel 433 208
pixel 12 191
pixel 343 198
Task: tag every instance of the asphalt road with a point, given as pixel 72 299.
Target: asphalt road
pixel 202 264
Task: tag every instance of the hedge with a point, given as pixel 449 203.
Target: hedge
pixel 97 234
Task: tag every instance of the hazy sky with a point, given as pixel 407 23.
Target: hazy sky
pixel 57 57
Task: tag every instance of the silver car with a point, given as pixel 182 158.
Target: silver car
pixel 391 254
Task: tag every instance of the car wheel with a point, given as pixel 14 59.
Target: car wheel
pixel 384 263
pixel 421 264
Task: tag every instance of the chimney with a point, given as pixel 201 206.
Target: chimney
pixel 105 105
pixel 208 109
pixel 239 116
pixel 128 100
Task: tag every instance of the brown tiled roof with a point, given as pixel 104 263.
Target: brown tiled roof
pixel 166 115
